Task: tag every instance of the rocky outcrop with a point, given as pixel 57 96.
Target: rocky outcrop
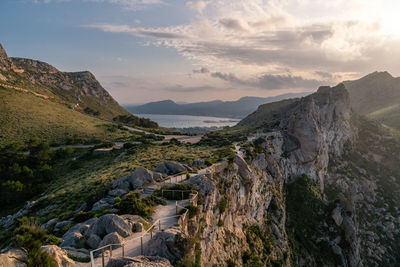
pixel 110 223
pixel 171 167
pixel 13 258
pixel 171 244
pixel 59 255
pixel 141 261
pixel 313 128
pixel 137 179
pixel 5 62
pixel 99 231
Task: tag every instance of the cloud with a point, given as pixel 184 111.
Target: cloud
pixel 141 32
pixel 201 70
pixel 199 6
pixel 271 82
pixel 234 24
pixel 315 41
pixel 189 89
pixel 126 4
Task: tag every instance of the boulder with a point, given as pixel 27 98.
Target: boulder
pixel 13 258
pixel 71 239
pixel 110 223
pixel 198 163
pixel 75 233
pixel 59 255
pixel 171 167
pixel 141 261
pixel 132 220
pixel 79 253
pixel 49 223
pixel 138 227
pixel 62 224
pixel 117 192
pixel 93 241
pixel 337 216
pixel 81 208
pixel 101 205
pixel 171 244
pixel 137 179
pixel 111 238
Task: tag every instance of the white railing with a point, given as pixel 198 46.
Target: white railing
pixel 182 221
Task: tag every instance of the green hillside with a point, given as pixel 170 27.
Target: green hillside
pixel 25 116
pixel 377 96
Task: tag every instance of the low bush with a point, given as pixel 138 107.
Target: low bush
pixel 133 204
pixel 29 237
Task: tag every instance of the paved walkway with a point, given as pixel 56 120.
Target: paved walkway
pixel 132 247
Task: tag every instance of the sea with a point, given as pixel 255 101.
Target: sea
pixel 187 121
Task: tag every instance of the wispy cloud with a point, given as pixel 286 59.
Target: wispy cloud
pixel 266 81
pixel 126 4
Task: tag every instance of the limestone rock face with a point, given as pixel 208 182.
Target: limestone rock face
pixel 5 62
pixel 171 244
pixel 315 126
pixel 141 261
pixel 171 167
pixel 12 258
pixel 59 255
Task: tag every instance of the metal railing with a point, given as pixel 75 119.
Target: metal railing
pixel 182 222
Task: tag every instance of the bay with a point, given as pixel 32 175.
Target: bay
pixel 187 121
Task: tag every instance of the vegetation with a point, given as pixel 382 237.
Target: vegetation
pixel 306 211
pixel 24 175
pixel 29 237
pixel 48 121
pixel 133 204
pixel 135 121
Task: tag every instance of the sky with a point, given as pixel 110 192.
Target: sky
pixel 190 51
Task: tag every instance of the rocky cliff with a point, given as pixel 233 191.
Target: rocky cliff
pixel 307 193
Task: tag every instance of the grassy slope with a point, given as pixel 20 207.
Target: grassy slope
pixel 87 178
pixel 377 96
pixel 24 116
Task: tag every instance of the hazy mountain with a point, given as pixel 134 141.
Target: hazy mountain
pixel 377 96
pixel 217 108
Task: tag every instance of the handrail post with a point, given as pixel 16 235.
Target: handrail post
pixel 159 225
pixel 151 233
pixel 123 250
pixel 141 245
pixel 102 257
pixel 110 251
pixel 176 208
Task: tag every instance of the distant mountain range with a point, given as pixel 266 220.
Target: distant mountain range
pixel 228 109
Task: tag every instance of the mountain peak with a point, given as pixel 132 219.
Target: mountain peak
pixel 378 75
pixel 3 53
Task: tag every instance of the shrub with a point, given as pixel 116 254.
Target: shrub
pixel 29 237
pixel 193 211
pixel 222 205
pixel 132 204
